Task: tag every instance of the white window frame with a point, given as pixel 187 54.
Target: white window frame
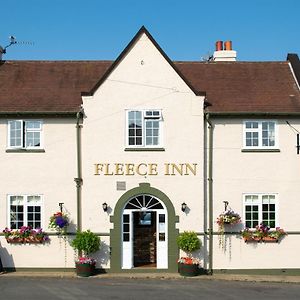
pixel 259 203
pixel 144 121
pixel 259 131
pixel 25 208
pixel 24 133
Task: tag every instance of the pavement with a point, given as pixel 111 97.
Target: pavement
pixel 162 276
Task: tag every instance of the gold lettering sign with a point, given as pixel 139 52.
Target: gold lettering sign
pixel 145 169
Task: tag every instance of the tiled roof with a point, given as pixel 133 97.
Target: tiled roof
pixel 237 87
pixel 47 86
pixel 231 87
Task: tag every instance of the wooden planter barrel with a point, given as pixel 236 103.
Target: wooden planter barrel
pixel 188 270
pixel 85 270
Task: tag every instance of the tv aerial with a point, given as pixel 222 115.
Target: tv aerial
pixel 207 57
pixel 13 41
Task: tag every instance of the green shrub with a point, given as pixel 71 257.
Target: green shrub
pixel 86 241
pixel 188 241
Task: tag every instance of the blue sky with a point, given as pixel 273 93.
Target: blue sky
pixel 261 30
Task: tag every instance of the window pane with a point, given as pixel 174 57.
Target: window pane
pixel 32 139
pixel 135 128
pixel 161 218
pixel 33 124
pixel 149 141
pixel 248 224
pixel 126 218
pixel 126 237
pixel 125 227
pixel 15 130
pixel 272 224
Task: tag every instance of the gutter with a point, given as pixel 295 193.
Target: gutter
pixel 230 114
pixel 210 194
pixel 78 179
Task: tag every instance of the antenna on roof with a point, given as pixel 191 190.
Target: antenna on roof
pixel 207 57
pixel 12 41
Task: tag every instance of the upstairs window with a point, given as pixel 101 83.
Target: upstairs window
pixel 144 128
pixel 24 134
pixel 260 134
pixel 25 210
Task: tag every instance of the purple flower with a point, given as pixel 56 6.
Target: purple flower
pixel 61 222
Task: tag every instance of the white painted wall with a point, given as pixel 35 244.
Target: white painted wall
pixel 151 85
pixel 237 172
pixel 50 174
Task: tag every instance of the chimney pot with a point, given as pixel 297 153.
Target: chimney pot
pixel 219 45
pixel 228 45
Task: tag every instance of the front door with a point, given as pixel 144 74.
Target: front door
pixel 144 233
pixel 144 239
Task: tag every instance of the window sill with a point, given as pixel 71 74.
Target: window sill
pixel 260 150
pixel 144 149
pixel 25 150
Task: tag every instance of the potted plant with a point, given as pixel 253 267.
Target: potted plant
pixel 189 242
pixel 86 243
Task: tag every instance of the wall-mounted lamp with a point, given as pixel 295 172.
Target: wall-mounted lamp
pixel 104 206
pixel 183 206
pixel 60 204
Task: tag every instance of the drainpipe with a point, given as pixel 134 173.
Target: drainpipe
pixel 78 179
pixel 210 194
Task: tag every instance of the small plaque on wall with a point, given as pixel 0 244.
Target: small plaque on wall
pixel 121 186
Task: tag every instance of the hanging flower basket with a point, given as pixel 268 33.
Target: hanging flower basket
pixel 59 221
pixel 229 217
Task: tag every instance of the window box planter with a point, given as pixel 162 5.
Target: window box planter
pixel 25 241
pixel 262 233
pixel 15 241
pixel 268 239
pixel 252 239
pixel 25 235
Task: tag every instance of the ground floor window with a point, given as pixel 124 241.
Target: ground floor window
pixel 260 208
pixel 25 210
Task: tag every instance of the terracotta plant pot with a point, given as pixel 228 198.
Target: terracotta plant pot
pixel 269 239
pixel 252 239
pixel 15 241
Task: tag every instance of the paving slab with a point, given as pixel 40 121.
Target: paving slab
pixel 162 276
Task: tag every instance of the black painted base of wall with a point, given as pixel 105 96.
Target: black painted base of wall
pixel 288 272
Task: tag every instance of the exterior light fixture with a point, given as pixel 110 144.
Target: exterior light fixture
pixel 183 206
pixel 104 206
pixel 60 204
